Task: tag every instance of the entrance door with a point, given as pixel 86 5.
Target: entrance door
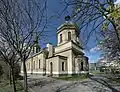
pixel 51 68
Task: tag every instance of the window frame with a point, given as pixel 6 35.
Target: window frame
pixel 39 63
pixel 61 39
pixel 69 36
pixel 63 66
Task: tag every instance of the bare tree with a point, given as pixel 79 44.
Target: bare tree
pixel 110 46
pixel 22 22
pixel 95 13
pixel 9 56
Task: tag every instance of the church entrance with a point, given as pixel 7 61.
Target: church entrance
pixel 51 68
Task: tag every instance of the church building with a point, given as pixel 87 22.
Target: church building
pixel 66 58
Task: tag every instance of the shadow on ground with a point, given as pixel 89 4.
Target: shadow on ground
pixel 102 84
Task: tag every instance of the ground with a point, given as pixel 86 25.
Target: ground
pixel 96 83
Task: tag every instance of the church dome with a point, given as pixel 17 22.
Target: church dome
pixel 69 25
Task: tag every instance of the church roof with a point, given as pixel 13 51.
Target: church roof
pixel 41 51
pixel 68 25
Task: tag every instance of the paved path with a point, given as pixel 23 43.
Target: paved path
pixel 93 84
pixel 79 88
pixel 62 87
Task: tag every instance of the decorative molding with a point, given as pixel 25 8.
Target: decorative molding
pixel 38 72
pixel 57 72
pixel 69 72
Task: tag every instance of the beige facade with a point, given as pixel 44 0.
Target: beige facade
pixel 66 58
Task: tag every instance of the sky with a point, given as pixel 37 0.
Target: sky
pixel 118 1
pixel 56 18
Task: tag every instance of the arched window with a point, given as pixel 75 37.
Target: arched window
pixel 37 48
pixel 39 63
pixel 33 50
pixel 63 66
pixel 69 36
pixel 60 38
pixel 51 68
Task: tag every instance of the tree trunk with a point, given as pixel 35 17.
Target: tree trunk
pixel 13 79
pixel 10 78
pixel 25 77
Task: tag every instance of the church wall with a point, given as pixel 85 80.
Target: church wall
pixel 73 62
pixel 28 65
pixel 35 64
pixel 39 61
pixel 86 63
pixel 77 48
pixel 65 36
pixel 44 64
pixel 67 54
pixel 55 66
pixel 63 47
pixel 69 50
pixel 73 35
pixel 76 65
pixel 63 69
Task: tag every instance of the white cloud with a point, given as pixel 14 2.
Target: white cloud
pixel 117 2
pixel 95 49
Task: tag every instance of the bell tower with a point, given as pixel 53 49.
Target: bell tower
pixel 68 44
pixel 67 32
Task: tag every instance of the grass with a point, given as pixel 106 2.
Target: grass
pixel 73 78
pixel 96 72
pixel 5 87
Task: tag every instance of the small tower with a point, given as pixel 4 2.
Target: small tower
pixel 36 47
pixel 68 32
